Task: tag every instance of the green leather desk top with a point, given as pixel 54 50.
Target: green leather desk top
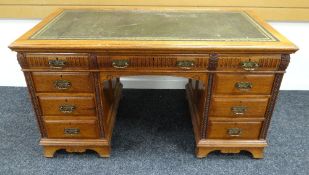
pixel 153 25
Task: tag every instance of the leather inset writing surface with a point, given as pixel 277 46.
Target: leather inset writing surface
pixel 153 25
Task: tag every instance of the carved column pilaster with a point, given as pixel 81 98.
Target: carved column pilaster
pixel 212 66
pixel 285 60
pixel 34 99
pixel 97 93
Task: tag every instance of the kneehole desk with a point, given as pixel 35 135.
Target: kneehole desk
pixel 73 59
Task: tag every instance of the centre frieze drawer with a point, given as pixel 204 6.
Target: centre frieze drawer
pixel 238 107
pixel 67 105
pixel 243 84
pixel 62 81
pixel 174 62
pixel 72 128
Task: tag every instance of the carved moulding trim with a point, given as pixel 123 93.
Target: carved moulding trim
pixel 285 60
pixel 213 63
pixel 99 106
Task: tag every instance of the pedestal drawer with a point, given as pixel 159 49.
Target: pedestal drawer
pixel 238 107
pixel 62 81
pixel 72 128
pixel 67 105
pixel 234 130
pixel 258 84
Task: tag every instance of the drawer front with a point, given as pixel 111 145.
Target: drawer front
pixel 242 84
pixel 175 62
pixel 55 61
pixel 62 82
pixel 67 105
pixel 252 62
pixel 238 107
pixel 72 128
pixel 234 130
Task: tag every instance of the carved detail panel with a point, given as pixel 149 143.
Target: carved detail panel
pixel 285 60
pixel 21 60
pixel 213 62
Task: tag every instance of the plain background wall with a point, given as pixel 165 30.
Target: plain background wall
pixel 297 77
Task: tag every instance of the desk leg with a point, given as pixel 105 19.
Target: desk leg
pixel 111 94
pixel 102 151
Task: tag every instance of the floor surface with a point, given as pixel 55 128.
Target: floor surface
pixel 153 135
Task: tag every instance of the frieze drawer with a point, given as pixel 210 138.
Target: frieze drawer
pixel 248 62
pixel 55 61
pixel 66 105
pixel 175 62
pixel 72 128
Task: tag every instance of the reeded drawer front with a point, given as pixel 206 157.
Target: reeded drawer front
pixel 242 84
pixel 238 107
pixel 248 62
pixel 176 62
pixel 62 81
pixel 55 61
pixel 72 128
pixel 234 130
pixel 67 105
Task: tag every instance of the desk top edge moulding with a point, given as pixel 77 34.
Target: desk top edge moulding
pixel 73 60
pixel 163 29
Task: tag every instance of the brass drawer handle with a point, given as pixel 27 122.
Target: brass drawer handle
pixel 185 64
pixel 62 84
pixel 67 108
pixel 57 64
pixel 234 132
pixel 243 85
pixel 249 65
pixel 120 64
pixel 71 131
pixel 239 110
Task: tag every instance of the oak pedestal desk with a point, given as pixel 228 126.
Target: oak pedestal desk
pixel 73 59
